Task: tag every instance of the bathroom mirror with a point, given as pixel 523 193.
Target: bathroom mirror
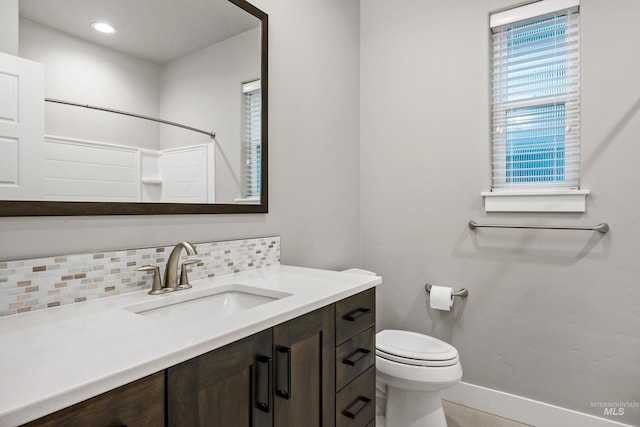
pixel 166 115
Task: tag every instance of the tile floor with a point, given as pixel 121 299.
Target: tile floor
pixel 463 416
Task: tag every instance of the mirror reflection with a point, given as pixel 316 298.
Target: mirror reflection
pixel 194 63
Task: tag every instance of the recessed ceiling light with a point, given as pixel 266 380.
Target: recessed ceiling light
pixel 103 27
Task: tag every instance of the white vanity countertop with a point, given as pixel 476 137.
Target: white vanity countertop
pixel 54 358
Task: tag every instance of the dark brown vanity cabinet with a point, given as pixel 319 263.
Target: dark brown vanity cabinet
pixel 140 403
pixel 283 376
pixel 316 370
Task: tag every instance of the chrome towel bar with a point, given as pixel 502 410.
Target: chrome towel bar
pixel 601 228
pixel 463 293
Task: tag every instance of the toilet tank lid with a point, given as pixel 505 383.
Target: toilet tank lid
pixel 413 345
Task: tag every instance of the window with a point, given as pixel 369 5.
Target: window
pixel 252 139
pixel 535 97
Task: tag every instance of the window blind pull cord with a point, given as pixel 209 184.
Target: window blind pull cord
pixel 139 116
pixel 601 228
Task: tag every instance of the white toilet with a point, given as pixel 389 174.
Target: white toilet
pixel 411 370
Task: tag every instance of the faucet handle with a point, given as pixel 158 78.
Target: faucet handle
pixel 184 280
pixel 156 288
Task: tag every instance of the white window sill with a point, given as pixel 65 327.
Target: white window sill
pixel 248 200
pixel 535 201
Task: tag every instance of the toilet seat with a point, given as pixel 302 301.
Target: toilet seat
pixel 417 362
pixel 415 349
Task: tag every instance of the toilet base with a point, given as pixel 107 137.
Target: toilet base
pixel 410 408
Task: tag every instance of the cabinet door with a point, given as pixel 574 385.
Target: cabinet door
pixel 138 404
pixel 305 370
pixel 228 387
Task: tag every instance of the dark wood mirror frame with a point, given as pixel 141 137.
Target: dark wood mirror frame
pixel 14 208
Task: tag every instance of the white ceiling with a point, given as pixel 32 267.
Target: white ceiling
pixel 155 30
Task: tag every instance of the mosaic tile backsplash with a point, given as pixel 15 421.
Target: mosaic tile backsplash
pixel 34 284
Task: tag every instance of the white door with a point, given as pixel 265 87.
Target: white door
pixel 21 128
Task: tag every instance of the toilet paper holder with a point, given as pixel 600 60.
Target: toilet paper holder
pixel 460 293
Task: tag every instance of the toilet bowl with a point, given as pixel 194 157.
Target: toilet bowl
pixel 411 370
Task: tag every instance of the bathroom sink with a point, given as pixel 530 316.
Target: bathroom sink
pixel 206 303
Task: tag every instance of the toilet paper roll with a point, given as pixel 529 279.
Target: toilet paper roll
pixel 441 298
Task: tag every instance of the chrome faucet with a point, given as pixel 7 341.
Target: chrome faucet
pixel 171 270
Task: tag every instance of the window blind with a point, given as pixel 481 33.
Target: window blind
pixel 535 98
pixel 252 138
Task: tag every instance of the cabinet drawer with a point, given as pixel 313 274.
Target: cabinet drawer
pixel 355 356
pixel 140 403
pixel 355 314
pixel 356 402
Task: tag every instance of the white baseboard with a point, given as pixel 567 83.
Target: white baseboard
pixel 522 409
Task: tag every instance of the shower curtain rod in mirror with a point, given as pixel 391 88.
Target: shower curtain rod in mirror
pixel 139 116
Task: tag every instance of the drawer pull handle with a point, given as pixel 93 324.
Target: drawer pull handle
pixel 266 407
pixel 359 354
pixel 357 314
pixel 357 407
pixel 286 394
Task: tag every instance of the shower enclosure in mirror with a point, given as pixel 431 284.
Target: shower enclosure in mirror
pixel 164 111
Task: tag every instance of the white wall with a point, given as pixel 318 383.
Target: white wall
pixel 86 73
pixel 204 90
pixel 313 157
pixel 9 25
pixel 551 315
